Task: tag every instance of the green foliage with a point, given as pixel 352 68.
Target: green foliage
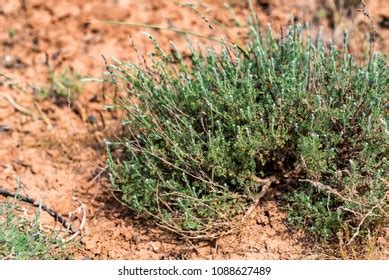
pixel 11 33
pixel 21 238
pixel 64 87
pixel 308 208
pixel 199 133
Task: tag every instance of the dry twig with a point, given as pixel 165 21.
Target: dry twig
pixel 265 188
pixel 356 233
pixel 17 107
pixel 35 203
pixel 80 209
pixel 329 190
pixel 43 116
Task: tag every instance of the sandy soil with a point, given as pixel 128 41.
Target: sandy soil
pixel 58 152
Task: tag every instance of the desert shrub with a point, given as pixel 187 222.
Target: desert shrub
pixel 202 133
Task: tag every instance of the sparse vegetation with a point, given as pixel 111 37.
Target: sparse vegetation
pixel 22 238
pixel 64 87
pixel 201 136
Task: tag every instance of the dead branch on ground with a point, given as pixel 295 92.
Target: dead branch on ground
pixel 40 205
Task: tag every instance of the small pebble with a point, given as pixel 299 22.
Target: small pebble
pixel 91 119
pixel 5 128
pixel 8 61
pixel 94 98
